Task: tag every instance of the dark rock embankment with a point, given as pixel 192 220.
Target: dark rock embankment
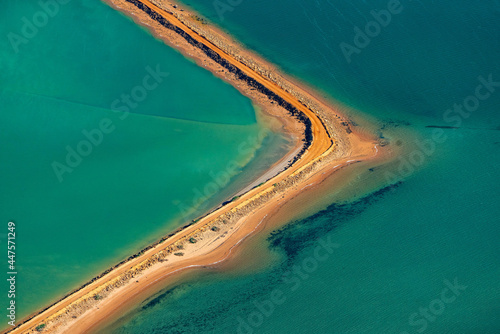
pixel 299 115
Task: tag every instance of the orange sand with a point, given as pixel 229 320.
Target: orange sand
pixel 219 234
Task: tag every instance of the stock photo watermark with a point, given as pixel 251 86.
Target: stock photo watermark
pixel 94 137
pixel 429 313
pixel 292 280
pixel 11 273
pixel 31 26
pixel 219 179
pixel 372 29
pixel 454 117
pixel 224 6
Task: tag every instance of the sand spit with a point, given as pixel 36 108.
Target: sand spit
pixel 326 142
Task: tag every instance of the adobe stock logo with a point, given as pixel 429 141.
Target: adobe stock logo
pixel 31 27
pixel 122 106
pixel 363 38
pixel 429 313
pixel 454 117
pixel 223 6
pixel 292 280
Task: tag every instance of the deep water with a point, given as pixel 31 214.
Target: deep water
pixel 399 250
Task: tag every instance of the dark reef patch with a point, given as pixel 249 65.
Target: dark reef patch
pixel 158 299
pixel 441 127
pixel 298 235
pixel 390 123
pixel 212 303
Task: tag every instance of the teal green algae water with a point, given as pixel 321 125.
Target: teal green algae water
pixel 154 161
pixel 420 256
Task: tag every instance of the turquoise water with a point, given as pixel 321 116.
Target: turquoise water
pixel 398 249
pixel 145 166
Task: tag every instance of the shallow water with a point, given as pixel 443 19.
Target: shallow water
pixel 148 170
pixel 398 248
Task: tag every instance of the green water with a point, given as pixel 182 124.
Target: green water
pixel 143 173
pixel 400 247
